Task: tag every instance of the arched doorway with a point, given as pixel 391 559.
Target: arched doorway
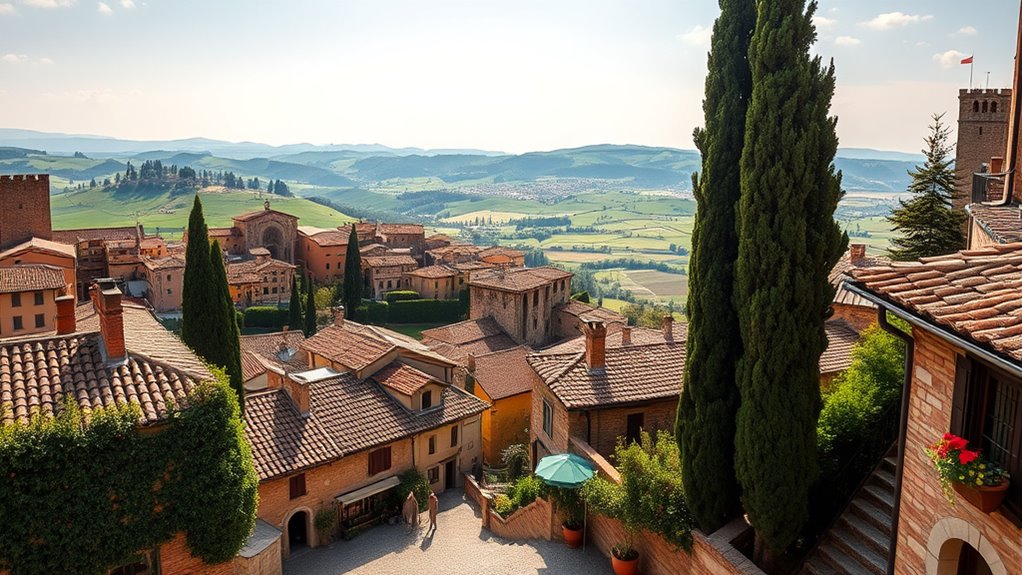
pixel 957 548
pixel 273 240
pixel 297 531
pixel 959 558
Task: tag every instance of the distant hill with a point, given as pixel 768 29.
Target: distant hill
pixel 871 154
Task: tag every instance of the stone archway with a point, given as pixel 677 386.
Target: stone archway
pixel 950 540
pixel 273 240
pixel 302 516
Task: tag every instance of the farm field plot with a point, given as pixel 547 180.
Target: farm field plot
pixel 648 284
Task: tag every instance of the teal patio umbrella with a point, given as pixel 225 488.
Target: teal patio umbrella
pixel 568 471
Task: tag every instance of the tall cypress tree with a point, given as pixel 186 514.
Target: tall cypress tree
pixel 352 275
pixel 788 242
pixel 294 307
pixel 709 397
pixel 310 309
pixel 199 294
pixel 927 225
pixel 223 325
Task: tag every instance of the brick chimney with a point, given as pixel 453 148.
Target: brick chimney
pixel 107 299
pixel 626 335
pixel 299 393
pixel 856 251
pixel 996 165
pixel 667 324
pixel 339 316
pixel 66 315
pixel 596 344
pixel 471 362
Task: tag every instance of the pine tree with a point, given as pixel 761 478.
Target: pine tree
pixel 310 309
pixel 788 242
pixel 223 326
pixel 352 275
pixel 199 294
pixel 709 399
pixel 294 308
pixel 927 225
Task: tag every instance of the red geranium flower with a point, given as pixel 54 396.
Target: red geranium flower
pixel 965 456
pixel 957 443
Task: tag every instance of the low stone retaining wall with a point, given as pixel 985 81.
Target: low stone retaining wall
pixel 534 521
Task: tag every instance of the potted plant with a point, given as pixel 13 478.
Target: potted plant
pixel 569 502
pixel 617 502
pixel 980 481
pixel 325 522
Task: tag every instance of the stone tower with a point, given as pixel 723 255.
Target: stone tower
pixel 982 135
pixel 24 209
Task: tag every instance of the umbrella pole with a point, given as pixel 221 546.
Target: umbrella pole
pixel 585 524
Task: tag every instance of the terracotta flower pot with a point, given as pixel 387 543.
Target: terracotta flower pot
pixel 624 566
pixel 572 537
pixel 985 498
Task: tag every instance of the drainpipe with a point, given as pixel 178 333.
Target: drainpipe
pixel 906 392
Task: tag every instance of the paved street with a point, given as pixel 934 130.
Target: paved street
pixel 459 546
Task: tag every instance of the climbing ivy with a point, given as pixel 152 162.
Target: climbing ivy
pixel 83 493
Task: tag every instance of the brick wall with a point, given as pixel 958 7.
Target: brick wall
pixel 981 135
pixel 922 504
pixel 534 521
pixel 609 424
pixel 24 209
pixel 559 442
pixel 859 317
pixel 177 559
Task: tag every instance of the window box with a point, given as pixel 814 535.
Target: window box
pixel 986 499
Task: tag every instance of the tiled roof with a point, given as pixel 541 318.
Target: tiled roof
pixel 475 336
pixel 169 262
pixel 152 242
pixel 505 373
pixel 345 416
pixel 251 365
pixel 324 238
pixel 384 261
pixel 588 312
pixel 462 249
pixel 351 348
pixel 633 373
pixel 259 251
pixel 1002 223
pixel 74 236
pixel 433 272
pixel 639 336
pixel 402 378
pixel 843 270
pixel 500 250
pixel 518 279
pixel 246 272
pixel 975 293
pixel 282 348
pixel 401 229
pixel 470 266
pixel 222 232
pixel 841 338
pixel 40 245
pixel 369 249
pixel 31 277
pixel 257 213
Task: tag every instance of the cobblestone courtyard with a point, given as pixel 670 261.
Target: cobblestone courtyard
pixel 459 546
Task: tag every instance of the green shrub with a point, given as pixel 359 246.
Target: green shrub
pixel 265 316
pixel 569 502
pixel 401 295
pixel 522 493
pixel 413 481
pixel 516 458
pixel 502 505
pixel 325 521
pixel 372 312
pixel 582 296
pixel 426 311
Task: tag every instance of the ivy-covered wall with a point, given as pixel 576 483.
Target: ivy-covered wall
pixel 82 494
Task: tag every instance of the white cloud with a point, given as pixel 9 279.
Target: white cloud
pixel 49 4
pixel 46 61
pixel 129 4
pixel 891 20
pixel 698 36
pixel 847 41
pixel 824 23
pixel 949 59
pixel 104 8
pixel 966 31
pixel 14 58
pixel 6 8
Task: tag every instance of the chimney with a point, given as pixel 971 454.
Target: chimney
pixel 668 326
pixel 626 335
pixel 996 164
pixel 285 328
pixel 107 299
pixel 856 251
pixel 66 315
pixel 596 344
pixel 299 393
pixel 339 316
pixel 471 362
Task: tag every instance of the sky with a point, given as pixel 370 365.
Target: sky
pixel 507 75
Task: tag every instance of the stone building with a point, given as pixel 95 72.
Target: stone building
pixel 267 228
pixel 982 136
pixel 382 274
pixel 858 311
pixel 260 281
pixel 502 257
pixel 571 316
pixel 29 296
pixel 164 277
pixel 403 236
pixel 520 300
pixel 103 253
pixel 322 253
pixel 24 209
pixel 433 282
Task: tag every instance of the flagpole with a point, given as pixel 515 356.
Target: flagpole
pixel 970 72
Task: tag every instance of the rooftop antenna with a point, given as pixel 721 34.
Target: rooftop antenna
pixel 988 81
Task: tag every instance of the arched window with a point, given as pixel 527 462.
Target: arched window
pixel 993 107
pixel 985 106
pixel 975 105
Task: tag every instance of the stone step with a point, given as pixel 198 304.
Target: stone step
pixel 840 561
pixel 867 533
pixel 890 463
pixel 883 478
pixel 869 512
pixel 882 498
pixel 818 566
pixel 850 544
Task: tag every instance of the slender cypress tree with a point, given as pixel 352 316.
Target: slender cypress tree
pixel 310 309
pixel 352 275
pixel 199 294
pixel 927 225
pixel 294 307
pixel 223 325
pixel 788 242
pixel 709 398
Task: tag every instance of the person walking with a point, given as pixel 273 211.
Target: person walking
pixel 434 506
pixel 410 511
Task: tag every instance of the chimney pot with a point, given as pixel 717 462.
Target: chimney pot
pixel 66 315
pixel 596 344
pixel 339 316
pixel 107 299
pixel 626 335
pixel 857 251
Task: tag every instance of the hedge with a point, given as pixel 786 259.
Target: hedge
pixel 266 316
pixel 372 312
pixel 401 295
pixel 426 311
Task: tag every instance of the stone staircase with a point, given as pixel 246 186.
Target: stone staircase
pixel 857 544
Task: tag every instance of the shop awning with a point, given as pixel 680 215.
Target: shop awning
pixel 371 489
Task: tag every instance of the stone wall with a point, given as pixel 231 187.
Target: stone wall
pixel 534 521
pixel 265 563
pixel 24 209
pixel 982 135
pixel 177 559
pixel 607 425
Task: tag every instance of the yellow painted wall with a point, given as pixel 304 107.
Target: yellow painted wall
pixel 504 424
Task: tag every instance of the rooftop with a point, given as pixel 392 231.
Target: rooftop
pixel 258 213
pixel 248 271
pixel 169 262
pixel 39 244
pixel 433 272
pixel 414 229
pixel 973 293
pixel 476 336
pixel 518 279
pixel 843 269
pixel 1002 223
pixel 402 378
pixel 505 373
pixel 107 234
pixel 31 277
pixel 385 261
pixel 841 338
pixel 282 349
pixel 324 238
pixel 586 312
pixel 355 345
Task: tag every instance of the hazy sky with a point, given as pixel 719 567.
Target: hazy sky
pixel 512 75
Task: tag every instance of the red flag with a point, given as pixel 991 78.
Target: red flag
pixel 967 60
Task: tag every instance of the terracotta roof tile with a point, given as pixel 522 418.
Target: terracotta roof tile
pixel 975 293
pixel 31 277
pixel 841 338
pixel 108 234
pixel 402 378
pixel 39 244
pixel 1002 223
pixel 588 312
pixel 257 213
pixel 505 373
pixel 282 349
pixel 413 229
pixel 169 262
pixel 500 251
pixel 639 336
pixel 843 270
pixel 324 238
pixel 433 272
pixel 351 348
pixel 519 279
pixel 384 261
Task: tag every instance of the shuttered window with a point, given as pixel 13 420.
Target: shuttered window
pixel 379 460
pixel 297 487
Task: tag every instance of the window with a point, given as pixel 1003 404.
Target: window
pixel 548 419
pixel 985 107
pixel 633 427
pixel 168 277
pixel 18 324
pixel 454 435
pixel 40 320
pixel 427 399
pixel 328 265
pixel 145 564
pixel 535 298
pixel 987 410
pixel 433 473
pixel 993 107
pixel 432 444
pixel 15 300
pixel 379 460
pixel 169 292
pixel 297 486
pixel 273 289
pixel 38 298
pixel 975 106
pixel 266 291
